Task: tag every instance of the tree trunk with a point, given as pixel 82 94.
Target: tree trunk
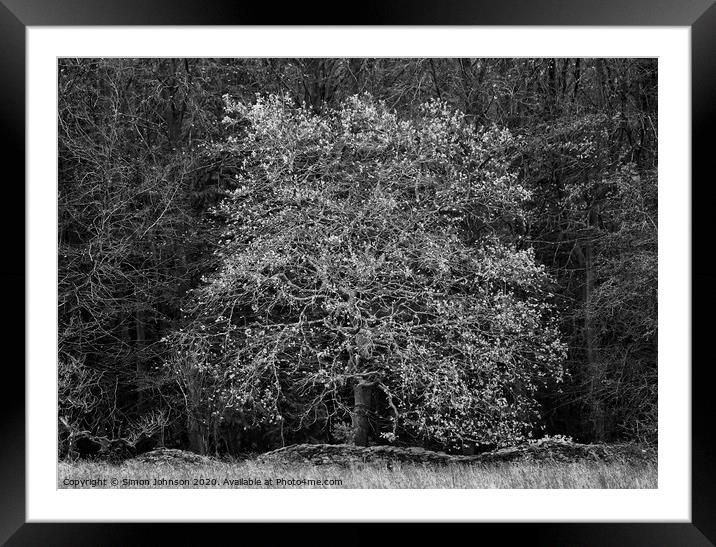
pixel 197 429
pixel 595 369
pixel 577 78
pixel 196 436
pixel 361 409
pixel 139 357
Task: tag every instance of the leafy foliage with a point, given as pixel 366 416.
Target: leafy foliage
pixel 365 248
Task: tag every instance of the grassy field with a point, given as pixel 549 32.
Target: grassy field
pixel 250 474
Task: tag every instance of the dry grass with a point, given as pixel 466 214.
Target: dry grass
pixel 219 474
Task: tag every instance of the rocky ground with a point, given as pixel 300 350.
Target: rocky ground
pixel 544 450
pixel 343 455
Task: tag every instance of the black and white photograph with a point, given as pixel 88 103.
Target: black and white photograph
pixel 361 273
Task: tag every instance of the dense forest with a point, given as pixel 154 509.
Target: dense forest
pixel 445 253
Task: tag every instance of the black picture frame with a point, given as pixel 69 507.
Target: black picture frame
pixel 16 15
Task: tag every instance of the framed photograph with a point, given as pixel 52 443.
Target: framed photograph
pixel 426 265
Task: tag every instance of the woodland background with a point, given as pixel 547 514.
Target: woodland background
pixel 141 172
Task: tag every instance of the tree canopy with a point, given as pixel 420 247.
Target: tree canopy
pixel 361 251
